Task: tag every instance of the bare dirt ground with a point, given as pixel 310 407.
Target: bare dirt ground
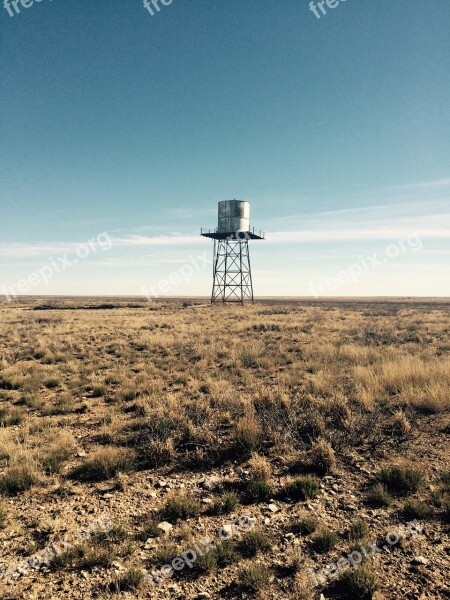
pixel 326 423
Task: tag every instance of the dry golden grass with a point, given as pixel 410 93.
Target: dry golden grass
pixel 259 468
pixel 97 407
pixel 322 457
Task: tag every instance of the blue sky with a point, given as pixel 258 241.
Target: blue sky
pixel 335 129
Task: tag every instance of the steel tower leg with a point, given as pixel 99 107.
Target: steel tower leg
pixel 232 272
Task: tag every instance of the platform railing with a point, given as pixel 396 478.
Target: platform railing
pixel 261 234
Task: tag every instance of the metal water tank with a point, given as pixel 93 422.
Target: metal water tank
pixel 234 215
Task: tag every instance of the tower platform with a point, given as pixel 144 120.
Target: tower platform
pixel 232 235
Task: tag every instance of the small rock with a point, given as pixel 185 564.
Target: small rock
pixel 420 560
pixel 165 526
pixel 210 483
pixel 203 596
pixel 273 508
pixel 162 484
pixel 228 529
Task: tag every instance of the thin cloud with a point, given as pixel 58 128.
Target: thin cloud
pixel 160 240
pixel 353 235
pixel 438 183
pixel 380 222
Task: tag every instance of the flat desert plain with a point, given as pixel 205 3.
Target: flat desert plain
pixel 287 449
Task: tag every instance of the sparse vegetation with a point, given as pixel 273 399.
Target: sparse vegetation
pixel 83 557
pixel 19 476
pixel 180 506
pixel 11 417
pixel 206 562
pixel 402 480
pixel 303 588
pixel 305 526
pixel 322 457
pixel 150 530
pixel 446 510
pixel 143 414
pixel 303 488
pixel 248 435
pixel 254 577
pixel 105 464
pixel 378 496
pixel 3 516
pixel 358 584
pixel 258 491
pixel 417 510
pixel 254 542
pixel 131 580
pixel 226 504
pixel 324 540
pixel 260 469
pixel 226 554
pixel 57 452
pixel 165 553
pixel 358 530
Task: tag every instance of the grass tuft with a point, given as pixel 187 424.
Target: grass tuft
pixel 248 435
pixel 224 505
pixel 358 584
pixel 305 526
pixel 358 530
pixel 303 488
pixel 254 542
pixel 19 477
pixel 324 540
pixel 258 491
pixel 104 464
pixel 131 580
pixel 322 457
pixel 417 510
pixel 401 480
pixel 378 496
pixel 180 507
pixel 254 577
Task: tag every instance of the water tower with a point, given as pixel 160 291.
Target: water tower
pixel 232 276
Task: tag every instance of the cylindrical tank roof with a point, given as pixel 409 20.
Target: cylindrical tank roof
pixel 234 215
